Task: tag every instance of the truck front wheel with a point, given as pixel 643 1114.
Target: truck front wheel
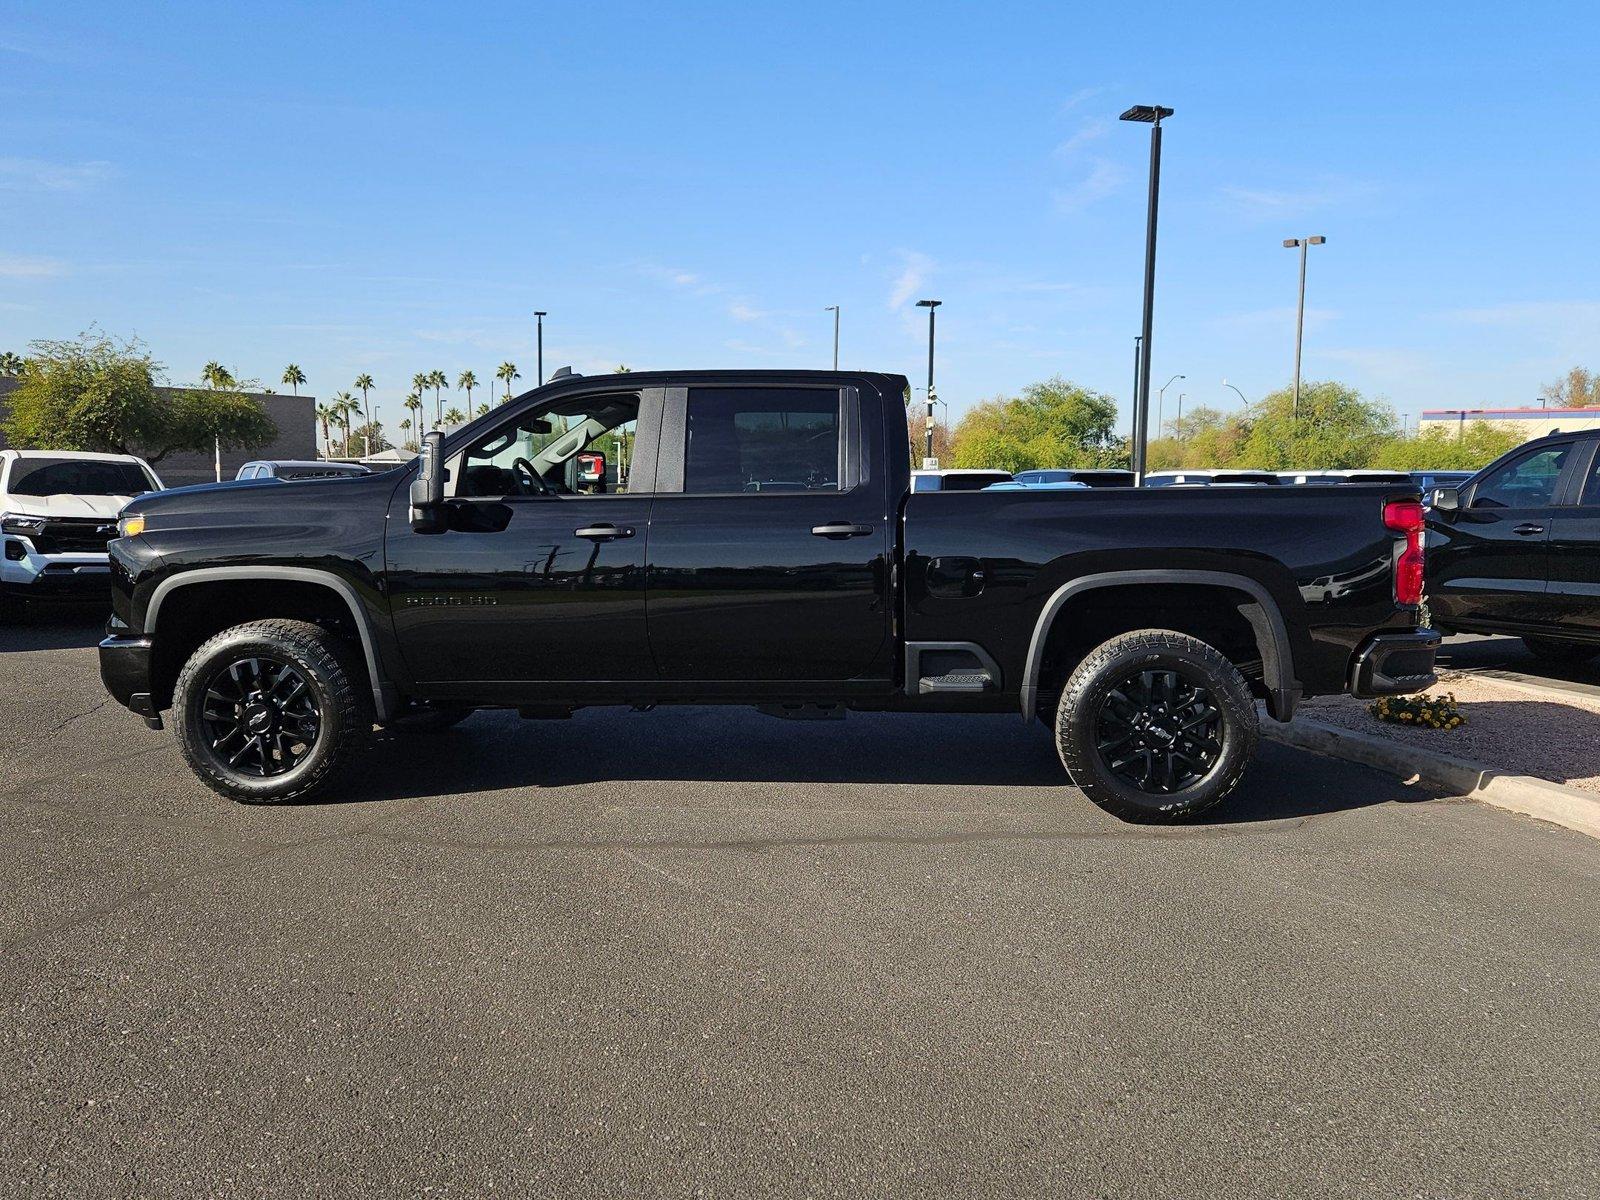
pixel 271 711
pixel 1155 725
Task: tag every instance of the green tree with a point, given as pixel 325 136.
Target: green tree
pixel 364 384
pixel 466 381
pixel 1578 388
pixel 437 380
pixel 413 405
pixel 419 383
pixel 98 394
pixel 326 415
pixel 217 377
pixel 1336 429
pixel 405 430
pixel 11 364
pixel 294 377
pixel 1056 423
pixel 481 410
pixel 346 406
pixel 506 372
pixel 454 417
pixel 1447 448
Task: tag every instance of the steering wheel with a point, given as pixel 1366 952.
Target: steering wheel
pixel 528 479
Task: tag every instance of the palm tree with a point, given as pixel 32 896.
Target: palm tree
pixel 454 417
pixel 327 414
pixel 10 364
pixel 364 382
pixel 216 376
pixel 437 380
pixel 413 405
pixel 466 381
pixel 405 429
pixel 507 372
pixel 346 406
pixel 482 411
pixel 294 377
pixel 419 383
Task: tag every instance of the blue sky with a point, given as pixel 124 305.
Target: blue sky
pixel 396 187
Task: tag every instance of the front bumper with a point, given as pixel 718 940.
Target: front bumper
pixel 1394 664
pixel 35 576
pixel 125 670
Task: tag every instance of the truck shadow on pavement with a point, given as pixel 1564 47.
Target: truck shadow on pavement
pixel 494 751
pixel 54 629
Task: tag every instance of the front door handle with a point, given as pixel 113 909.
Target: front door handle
pixel 840 529
pixel 604 533
pixel 1529 529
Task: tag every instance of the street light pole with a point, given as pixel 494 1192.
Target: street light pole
pixel 1300 315
pixel 1236 392
pixel 930 305
pixel 1150 114
pixel 1161 396
pixel 834 309
pixel 539 366
pixel 1133 419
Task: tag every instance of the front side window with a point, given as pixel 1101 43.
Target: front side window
pixel 1526 482
pixel 77 477
pixel 579 446
pixel 761 440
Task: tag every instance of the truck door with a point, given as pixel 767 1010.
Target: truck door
pixel 1575 548
pixel 533 580
pixel 770 538
pixel 1490 562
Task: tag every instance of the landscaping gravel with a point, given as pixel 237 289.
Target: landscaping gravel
pixel 1514 728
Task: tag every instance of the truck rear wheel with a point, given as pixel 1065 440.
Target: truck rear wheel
pixel 1156 725
pixel 271 711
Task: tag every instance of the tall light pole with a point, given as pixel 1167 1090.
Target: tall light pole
pixel 1302 244
pixel 539 366
pixel 1236 392
pixel 834 309
pixel 1149 114
pixel 1161 396
pixel 1133 418
pixel 930 305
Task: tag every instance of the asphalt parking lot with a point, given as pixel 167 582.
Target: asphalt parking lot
pixel 709 952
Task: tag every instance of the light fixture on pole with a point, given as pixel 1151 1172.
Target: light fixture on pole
pixel 1236 392
pixel 930 305
pixel 539 365
pixel 1302 244
pixel 1161 396
pixel 834 309
pixel 1152 115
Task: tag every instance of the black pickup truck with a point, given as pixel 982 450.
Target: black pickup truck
pixel 752 538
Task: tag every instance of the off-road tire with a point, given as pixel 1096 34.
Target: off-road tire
pixel 336 677
pixel 1109 666
pixel 1558 650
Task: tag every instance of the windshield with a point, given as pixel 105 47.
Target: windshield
pixel 76 477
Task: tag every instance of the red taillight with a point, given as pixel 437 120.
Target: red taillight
pixel 1406 516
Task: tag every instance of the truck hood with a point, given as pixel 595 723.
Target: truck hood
pixel 65 506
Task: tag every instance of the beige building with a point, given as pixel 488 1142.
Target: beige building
pixel 1527 423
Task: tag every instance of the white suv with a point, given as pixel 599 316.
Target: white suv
pixel 58 509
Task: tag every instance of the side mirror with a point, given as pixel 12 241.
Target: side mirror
pixel 427 489
pixel 1446 499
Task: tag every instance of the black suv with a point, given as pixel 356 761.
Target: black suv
pixel 1516 548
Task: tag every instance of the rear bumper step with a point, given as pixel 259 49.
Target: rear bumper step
pixel 1394 664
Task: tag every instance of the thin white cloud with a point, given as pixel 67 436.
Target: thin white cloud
pixel 37 174
pixel 914 272
pixel 740 311
pixel 1089 132
pixel 22 267
pixel 1267 203
pixel 1079 98
pixel 1103 179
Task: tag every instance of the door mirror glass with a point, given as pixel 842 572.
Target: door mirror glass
pixel 1446 499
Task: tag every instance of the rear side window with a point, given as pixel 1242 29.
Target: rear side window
pixel 1526 482
pixel 762 440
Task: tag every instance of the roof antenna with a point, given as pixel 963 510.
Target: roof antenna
pixel 565 373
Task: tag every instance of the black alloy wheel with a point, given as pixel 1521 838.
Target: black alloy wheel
pixel 261 716
pixel 1159 731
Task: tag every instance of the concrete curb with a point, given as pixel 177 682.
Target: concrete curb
pixel 1557 803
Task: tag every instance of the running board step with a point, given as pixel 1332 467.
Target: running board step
pixel 956 681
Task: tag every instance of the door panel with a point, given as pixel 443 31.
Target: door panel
pixel 770 563
pixel 1574 593
pixel 1489 561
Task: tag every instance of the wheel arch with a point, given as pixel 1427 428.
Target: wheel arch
pixel 385 698
pixel 1261 612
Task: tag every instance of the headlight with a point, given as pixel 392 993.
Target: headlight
pixel 131 525
pixel 20 525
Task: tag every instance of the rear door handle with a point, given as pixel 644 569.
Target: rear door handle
pixel 1529 529
pixel 840 529
pixel 604 533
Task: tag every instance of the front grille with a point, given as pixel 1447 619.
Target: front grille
pixel 75 535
